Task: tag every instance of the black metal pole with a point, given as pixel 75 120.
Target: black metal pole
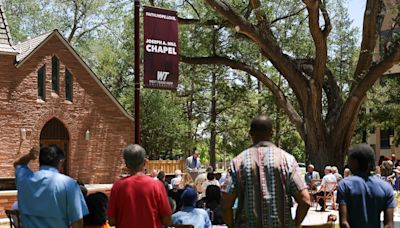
pixel 137 72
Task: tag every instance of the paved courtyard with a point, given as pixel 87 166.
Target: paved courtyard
pixel 313 217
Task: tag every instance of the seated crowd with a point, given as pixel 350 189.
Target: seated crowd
pixel 198 205
pixel 194 199
pixel 388 169
pixel 150 201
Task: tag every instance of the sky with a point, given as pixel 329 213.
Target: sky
pixel 356 11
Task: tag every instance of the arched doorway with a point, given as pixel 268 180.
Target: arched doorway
pixel 55 133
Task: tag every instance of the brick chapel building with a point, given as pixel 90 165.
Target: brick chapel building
pixel 49 95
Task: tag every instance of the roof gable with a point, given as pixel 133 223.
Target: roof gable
pixel 29 47
pixel 5 36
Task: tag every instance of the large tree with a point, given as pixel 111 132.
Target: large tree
pixel 323 111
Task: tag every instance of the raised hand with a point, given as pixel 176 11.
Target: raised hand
pixel 34 152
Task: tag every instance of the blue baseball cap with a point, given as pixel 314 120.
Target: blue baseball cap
pixel 189 197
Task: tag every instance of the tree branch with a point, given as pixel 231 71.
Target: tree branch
pixel 75 22
pixel 328 25
pixel 256 6
pixel 194 8
pixel 376 72
pixel 269 48
pixel 369 37
pixel 359 92
pixel 334 97
pixel 330 86
pixel 255 3
pixel 282 101
pixel 321 50
pixel 287 16
pixel 189 21
pixel 78 37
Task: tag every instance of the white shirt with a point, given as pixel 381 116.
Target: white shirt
pixel 328 178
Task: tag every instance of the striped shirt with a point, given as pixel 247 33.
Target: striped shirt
pixel 264 178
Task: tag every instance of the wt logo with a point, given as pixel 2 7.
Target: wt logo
pixel 162 75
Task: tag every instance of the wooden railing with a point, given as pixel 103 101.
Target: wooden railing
pixel 168 166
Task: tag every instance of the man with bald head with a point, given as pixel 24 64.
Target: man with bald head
pixel 138 200
pixel 263 179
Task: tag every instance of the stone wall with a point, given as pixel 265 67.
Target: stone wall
pixel 97 160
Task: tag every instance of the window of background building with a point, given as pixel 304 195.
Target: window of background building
pixel 385 138
pixel 41 78
pixel 68 85
pixel 55 86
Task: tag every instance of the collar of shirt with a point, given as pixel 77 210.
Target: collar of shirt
pixel 49 168
pixel 263 144
pixel 187 208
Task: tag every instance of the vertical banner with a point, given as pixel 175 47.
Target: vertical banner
pixel 161 58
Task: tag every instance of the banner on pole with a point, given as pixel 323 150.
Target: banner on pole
pixel 161 58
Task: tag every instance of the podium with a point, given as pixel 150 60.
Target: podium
pixel 194 173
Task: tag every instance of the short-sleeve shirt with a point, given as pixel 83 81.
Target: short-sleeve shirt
pixel 138 201
pixel 328 178
pixel 264 178
pixel 311 176
pixel 47 198
pixel 193 216
pixel 365 198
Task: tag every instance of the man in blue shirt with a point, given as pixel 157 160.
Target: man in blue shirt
pixel 363 197
pixel 47 198
pixel 189 214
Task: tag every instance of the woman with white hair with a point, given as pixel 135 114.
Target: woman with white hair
pixel 336 173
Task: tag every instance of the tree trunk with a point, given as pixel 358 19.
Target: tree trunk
pixel 277 127
pixel 323 149
pixel 278 121
pixel 189 115
pixel 213 120
pixel 321 153
pixel 259 91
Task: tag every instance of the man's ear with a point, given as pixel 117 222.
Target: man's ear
pixel 126 164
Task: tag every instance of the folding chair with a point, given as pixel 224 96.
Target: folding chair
pixel 325 225
pixel 313 189
pixel 13 216
pixel 328 195
pixel 182 226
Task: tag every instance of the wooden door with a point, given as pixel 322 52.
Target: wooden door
pixel 54 132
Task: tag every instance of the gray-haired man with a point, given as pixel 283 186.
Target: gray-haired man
pixel 138 200
pixel 311 175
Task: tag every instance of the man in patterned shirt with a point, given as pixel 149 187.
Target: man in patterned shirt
pixel 264 178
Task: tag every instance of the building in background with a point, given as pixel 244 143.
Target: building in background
pixel 49 95
pixel 382 140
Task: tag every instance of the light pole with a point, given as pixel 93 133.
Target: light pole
pixel 137 71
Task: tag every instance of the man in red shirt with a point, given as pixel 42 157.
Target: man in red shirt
pixel 138 200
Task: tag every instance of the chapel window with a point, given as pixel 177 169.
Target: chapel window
pixel 41 79
pixel 55 66
pixel 68 85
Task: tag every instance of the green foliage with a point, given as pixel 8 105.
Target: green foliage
pixel 343 46
pixel 383 106
pixel 163 126
pixel 173 123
